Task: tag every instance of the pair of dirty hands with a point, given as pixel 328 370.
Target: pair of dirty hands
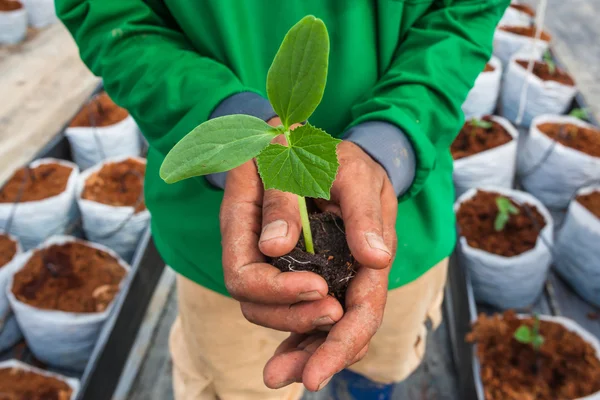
pixel 324 339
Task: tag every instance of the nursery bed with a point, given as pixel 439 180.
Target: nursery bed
pixel 103 370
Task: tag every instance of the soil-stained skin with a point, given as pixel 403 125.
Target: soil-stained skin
pixel 473 139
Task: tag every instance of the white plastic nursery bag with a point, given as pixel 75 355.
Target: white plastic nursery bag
pixel 41 12
pixel 73 383
pixel 13 26
pixel 507 44
pixel 483 97
pixel 554 176
pixel 118 228
pixel 59 338
pixel 578 249
pixel 493 167
pixel 35 221
pixel 543 97
pixel 9 330
pixel 92 145
pixel 508 282
pixel 514 17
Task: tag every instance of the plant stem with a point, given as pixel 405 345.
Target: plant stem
pixel 308 242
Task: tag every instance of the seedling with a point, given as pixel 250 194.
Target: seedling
pixel 505 208
pixel 307 166
pixel 550 63
pixel 526 335
pixel 481 123
pixel 581 113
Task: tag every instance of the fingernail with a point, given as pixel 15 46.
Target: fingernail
pixel 283 384
pixel 324 383
pixel 326 320
pixel 376 242
pixel 310 296
pixel 274 230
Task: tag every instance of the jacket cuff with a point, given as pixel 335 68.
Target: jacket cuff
pixel 389 146
pixel 247 103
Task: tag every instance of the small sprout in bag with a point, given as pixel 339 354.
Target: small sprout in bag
pixel 581 113
pixel 481 123
pixel 505 208
pixel 308 165
pixel 526 335
pixel 550 63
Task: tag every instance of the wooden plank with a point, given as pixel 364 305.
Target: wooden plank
pixel 43 83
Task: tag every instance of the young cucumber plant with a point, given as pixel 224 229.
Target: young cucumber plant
pixel 580 113
pixel 307 166
pixel 550 63
pixel 505 208
pixel 526 335
pixel 481 123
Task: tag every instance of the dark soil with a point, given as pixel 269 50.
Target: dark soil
pixel 528 31
pixel 476 218
pixel 542 71
pixel 591 201
pixel 8 249
pixel 18 384
pixel 70 277
pixel 37 183
pixel 566 367
pixel 489 68
pixel 524 8
pixel 10 5
pixel 585 140
pixel 100 112
pixel 118 184
pixel 472 140
pixel 333 260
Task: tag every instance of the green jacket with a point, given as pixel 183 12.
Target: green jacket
pixel 409 63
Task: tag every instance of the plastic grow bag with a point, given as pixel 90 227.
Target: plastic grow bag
pixel 73 383
pixel 550 171
pixel 13 26
pixel 483 97
pixel 508 282
pixel 514 17
pixel 9 330
pixel 507 44
pixel 91 146
pixel 543 97
pixel 59 338
pixel 578 250
pixel 493 167
pixel 118 228
pixel 41 12
pixel 35 221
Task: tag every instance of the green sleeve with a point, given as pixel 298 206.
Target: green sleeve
pixel 148 66
pixel 434 67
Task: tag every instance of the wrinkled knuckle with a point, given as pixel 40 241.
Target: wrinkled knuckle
pixel 275 201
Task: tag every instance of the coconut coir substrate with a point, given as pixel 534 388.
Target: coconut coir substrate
pixel 473 139
pixel 99 112
pixel 18 384
pixel 8 249
pixel 528 31
pixel 119 184
pixel 542 71
pixel 576 137
pixel 591 201
pixel 10 5
pixel 565 368
pixel 69 277
pixel 332 259
pixel 476 218
pixel 33 184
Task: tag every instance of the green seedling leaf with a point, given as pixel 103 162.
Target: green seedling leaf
pixel 524 334
pixel 480 123
pixel 306 167
pixel 217 145
pixel 580 113
pixel 505 208
pixel 550 63
pixel 297 77
pixel 537 342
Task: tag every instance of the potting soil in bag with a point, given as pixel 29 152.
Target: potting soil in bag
pixel 10 250
pixel 483 97
pixel 492 167
pixel 508 282
pixel 551 171
pixel 507 44
pixel 41 12
pixel 33 221
pixel 26 382
pixel 117 227
pixel 63 338
pixel 578 246
pixel 13 26
pixel 543 96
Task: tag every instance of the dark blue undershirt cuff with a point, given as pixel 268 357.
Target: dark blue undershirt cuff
pixel 389 146
pixel 247 103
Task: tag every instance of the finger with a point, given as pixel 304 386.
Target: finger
pixel 365 302
pixel 247 277
pixel 281 224
pixel 300 317
pixel 328 206
pixel 389 212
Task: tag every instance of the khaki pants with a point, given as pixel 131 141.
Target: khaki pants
pixel 218 354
